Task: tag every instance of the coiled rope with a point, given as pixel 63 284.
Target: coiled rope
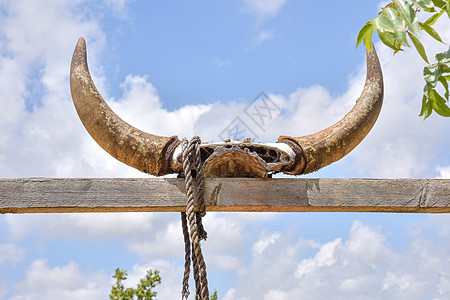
pixel 196 233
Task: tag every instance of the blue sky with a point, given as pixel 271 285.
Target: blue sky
pixel 203 51
pixel 192 68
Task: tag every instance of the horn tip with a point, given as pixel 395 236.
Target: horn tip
pixel 79 57
pixel 373 64
pixel 81 43
pixel 81 40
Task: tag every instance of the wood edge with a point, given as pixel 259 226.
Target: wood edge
pixel 262 208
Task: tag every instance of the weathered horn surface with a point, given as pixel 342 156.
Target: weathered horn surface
pixel 333 143
pixel 146 152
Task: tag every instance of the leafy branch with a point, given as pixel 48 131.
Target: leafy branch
pixel 144 289
pixel 397 22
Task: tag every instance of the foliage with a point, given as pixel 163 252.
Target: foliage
pixel 143 290
pixel 397 22
pixel 214 296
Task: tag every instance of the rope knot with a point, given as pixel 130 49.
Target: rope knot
pixel 193 167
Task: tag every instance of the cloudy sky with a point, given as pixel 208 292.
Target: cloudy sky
pixel 193 68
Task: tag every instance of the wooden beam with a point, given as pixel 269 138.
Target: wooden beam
pixel 45 195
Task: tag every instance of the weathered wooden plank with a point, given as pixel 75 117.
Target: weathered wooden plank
pixel 45 195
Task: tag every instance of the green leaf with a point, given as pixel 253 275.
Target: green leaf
pixel 390 4
pixel 424 4
pixel 424 103
pixel 438 104
pixel 418 46
pixel 365 34
pixel 389 40
pixel 444 82
pixel 213 296
pixel 385 28
pixel 447 8
pixel 444 61
pixel 437 97
pixel 429 110
pixel 428 29
pixel 439 3
pixel 443 56
pixel 431 74
pixel 368 40
pixel 426 108
pixel 407 14
pixel 382 23
pixel 431 20
pixel 398 23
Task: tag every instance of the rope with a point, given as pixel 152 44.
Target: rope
pixel 191 155
pixel 187 256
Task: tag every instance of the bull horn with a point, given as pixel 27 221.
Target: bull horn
pixel 333 143
pixel 146 152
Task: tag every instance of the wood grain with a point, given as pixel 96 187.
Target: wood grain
pixel 52 195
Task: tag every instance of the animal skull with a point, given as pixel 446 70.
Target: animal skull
pixel 158 155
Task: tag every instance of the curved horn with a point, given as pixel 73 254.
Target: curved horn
pixel 333 143
pixel 146 152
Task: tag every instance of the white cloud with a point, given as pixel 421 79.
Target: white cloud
pixel 140 105
pixel 230 294
pixel 164 242
pixel 366 243
pixel 221 63
pixel 61 282
pixel 66 150
pixel 264 242
pixel 90 226
pixel 70 282
pixel 37 78
pixel 276 294
pixel 171 274
pixel 361 267
pixel 444 172
pixel 262 36
pixel 53 142
pixel 119 7
pixel 149 235
pixel 3 289
pixel 264 8
pixel 11 253
pixel 224 249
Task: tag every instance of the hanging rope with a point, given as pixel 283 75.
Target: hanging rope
pixel 196 232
